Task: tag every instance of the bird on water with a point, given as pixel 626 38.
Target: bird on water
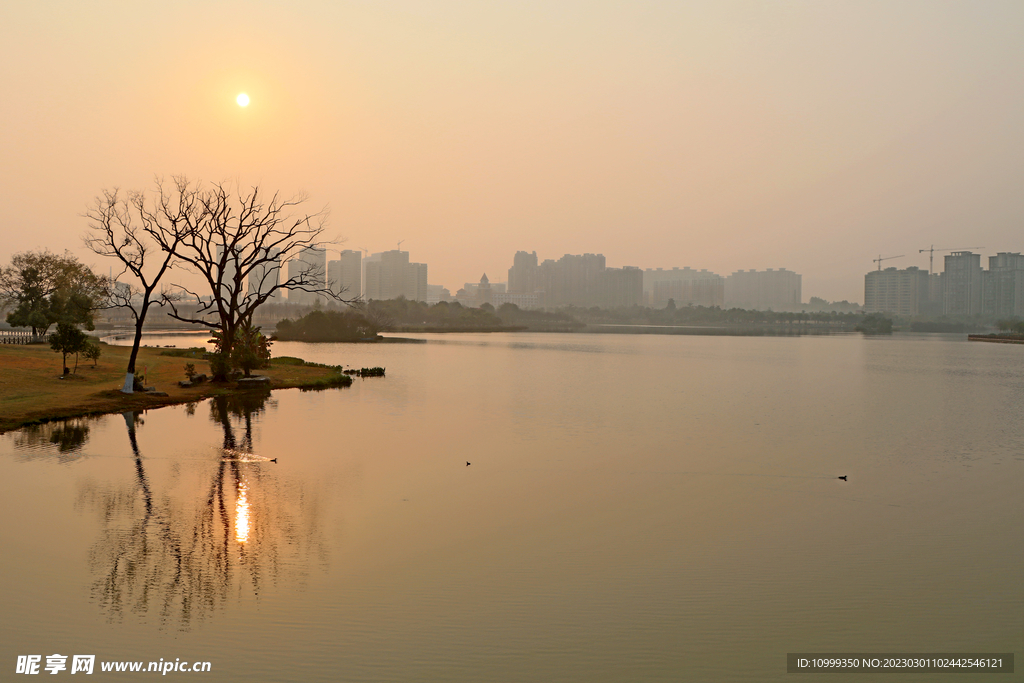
pixel 467 463
pixel 842 477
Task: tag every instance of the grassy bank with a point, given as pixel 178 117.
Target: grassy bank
pixel 31 389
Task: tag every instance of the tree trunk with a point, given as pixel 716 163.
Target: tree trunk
pixel 129 378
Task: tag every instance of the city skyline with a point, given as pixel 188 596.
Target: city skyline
pixel 723 136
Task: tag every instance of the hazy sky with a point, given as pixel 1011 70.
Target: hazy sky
pixel 721 135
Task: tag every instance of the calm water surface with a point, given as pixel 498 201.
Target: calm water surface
pixel 638 508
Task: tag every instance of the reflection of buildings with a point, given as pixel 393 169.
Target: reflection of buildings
pixel 778 290
pixel 389 275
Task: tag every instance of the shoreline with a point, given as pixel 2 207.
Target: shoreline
pixel 32 392
pixel 996 338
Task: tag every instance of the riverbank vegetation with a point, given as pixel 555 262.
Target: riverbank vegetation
pixel 712 316
pixel 350 325
pixel 31 388
pixel 365 323
pixel 875 323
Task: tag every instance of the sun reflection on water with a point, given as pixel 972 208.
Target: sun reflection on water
pixel 242 513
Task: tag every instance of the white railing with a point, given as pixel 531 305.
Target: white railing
pixel 20 337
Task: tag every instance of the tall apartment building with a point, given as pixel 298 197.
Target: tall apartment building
pixel 897 292
pixel 265 276
pixel 572 280
pixel 1003 285
pixel 415 282
pixel 344 275
pixel 522 276
pixel 389 275
pixel 227 274
pixel 962 284
pixel 778 290
pixel 310 265
pixel 621 287
pixel 684 286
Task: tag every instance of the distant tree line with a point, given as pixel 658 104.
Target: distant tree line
pixel 708 315
pixel 327 326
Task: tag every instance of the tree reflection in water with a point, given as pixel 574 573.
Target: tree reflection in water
pixel 178 555
pixel 67 435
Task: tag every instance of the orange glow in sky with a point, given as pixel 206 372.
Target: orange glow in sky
pixel 722 135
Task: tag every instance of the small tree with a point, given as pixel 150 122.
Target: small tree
pixel 66 340
pixel 45 288
pixel 251 349
pixel 92 352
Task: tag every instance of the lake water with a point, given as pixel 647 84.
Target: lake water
pixel 638 508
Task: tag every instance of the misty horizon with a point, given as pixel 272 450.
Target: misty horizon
pixel 725 136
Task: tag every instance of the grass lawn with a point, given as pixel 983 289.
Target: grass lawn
pixel 31 389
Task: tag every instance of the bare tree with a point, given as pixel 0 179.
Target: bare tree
pixel 236 243
pixel 135 231
pixel 377 317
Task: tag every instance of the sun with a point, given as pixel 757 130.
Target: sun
pixel 242 99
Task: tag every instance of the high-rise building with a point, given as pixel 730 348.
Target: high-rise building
pixel 1003 285
pixel 522 276
pixel 265 276
pixel 389 275
pixel 621 287
pixel 684 286
pixel 415 284
pixel 778 290
pixel 897 292
pixel 310 266
pixel 344 275
pixel 572 280
pixel 962 284
pixel 227 272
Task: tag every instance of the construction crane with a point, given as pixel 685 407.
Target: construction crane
pixel 366 252
pixel 931 254
pixel 400 245
pixel 880 259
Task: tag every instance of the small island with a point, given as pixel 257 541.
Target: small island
pixel 33 388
